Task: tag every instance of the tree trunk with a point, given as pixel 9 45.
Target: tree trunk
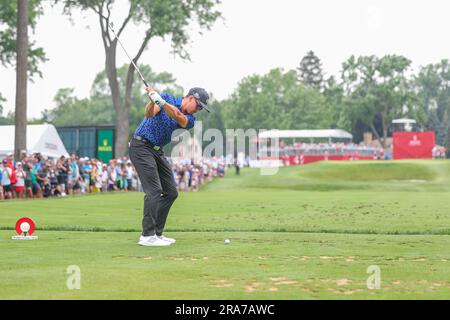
pixel 20 142
pixel 122 122
pixel 129 85
pixel 385 129
pixel 375 132
pixel 122 107
pixel 122 132
pixel 446 135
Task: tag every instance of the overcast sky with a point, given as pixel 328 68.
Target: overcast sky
pixel 256 36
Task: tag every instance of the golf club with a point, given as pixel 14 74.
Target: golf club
pixel 111 26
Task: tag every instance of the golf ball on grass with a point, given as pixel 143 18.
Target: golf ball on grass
pixel 227 241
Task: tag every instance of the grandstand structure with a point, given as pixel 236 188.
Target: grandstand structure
pixel 307 146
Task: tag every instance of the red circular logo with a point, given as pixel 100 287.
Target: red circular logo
pixel 25 225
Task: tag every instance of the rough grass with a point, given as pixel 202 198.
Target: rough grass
pixel 290 238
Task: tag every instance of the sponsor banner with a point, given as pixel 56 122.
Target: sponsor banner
pixel 413 145
pixel 105 145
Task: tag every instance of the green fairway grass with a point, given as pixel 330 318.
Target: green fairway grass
pixel 307 232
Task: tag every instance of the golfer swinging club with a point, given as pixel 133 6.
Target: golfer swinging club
pixel 163 114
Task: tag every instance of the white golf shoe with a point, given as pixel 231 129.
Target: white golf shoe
pixel 170 240
pixel 152 241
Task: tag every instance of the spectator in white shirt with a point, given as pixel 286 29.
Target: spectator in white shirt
pixel 6 182
pixel 19 186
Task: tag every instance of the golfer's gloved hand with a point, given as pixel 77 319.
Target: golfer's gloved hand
pixel 156 98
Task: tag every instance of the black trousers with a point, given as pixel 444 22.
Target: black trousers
pixel 158 183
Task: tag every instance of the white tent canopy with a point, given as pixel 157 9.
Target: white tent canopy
pixel 42 138
pixel 307 134
pixel 404 120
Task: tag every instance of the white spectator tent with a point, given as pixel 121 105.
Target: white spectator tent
pixel 404 121
pixel 404 124
pixel 307 134
pixel 42 138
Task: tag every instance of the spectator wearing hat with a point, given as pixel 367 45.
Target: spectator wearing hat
pixel 87 171
pixel 26 166
pixel 35 186
pixel 52 176
pixel 43 177
pixel 75 173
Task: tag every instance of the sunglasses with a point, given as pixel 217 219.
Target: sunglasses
pixel 198 106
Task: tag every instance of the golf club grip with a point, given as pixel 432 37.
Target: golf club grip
pixel 146 85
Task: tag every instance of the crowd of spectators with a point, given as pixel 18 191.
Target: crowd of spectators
pixel 439 152
pixel 332 149
pixel 36 176
pixel 190 174
pixel 315 149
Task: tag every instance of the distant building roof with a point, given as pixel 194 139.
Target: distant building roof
pixel 333 133
pixel 404 120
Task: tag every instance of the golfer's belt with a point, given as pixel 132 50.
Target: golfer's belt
pixel 156 148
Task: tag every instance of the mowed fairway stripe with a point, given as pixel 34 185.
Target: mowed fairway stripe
pixel 306 233
pixel 200 266
pixel 360 232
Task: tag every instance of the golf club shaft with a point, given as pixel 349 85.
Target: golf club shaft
pixel 132 62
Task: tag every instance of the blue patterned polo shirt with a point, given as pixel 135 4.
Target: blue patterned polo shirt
pixel 158 129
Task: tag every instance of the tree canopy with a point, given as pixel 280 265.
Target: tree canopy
pixel 172 19
pixel 276 100
pixel 310 71
pixel 97 110
pixel 8 35
pixel 378 88
pixel 433 88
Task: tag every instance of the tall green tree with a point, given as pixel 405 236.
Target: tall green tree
pixel 15 18
pixel 8 119
pixel 160 19
pixel 276 100
pixel 8 35
pixel 310 71
pixel 378 88
pixel 333 92
pixel 97 110
pixel 20 141
pixel 213 120
pixel 433 87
